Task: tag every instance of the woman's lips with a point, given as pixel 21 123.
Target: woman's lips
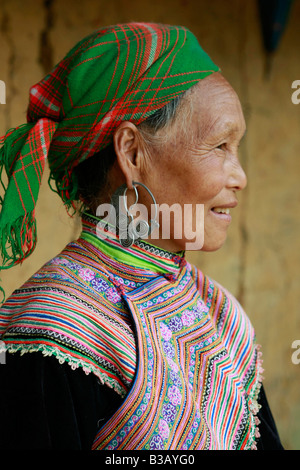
pixel 223 211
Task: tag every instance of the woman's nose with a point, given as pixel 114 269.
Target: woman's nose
pixel 237 178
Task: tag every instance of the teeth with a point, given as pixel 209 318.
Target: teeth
pixel 222 210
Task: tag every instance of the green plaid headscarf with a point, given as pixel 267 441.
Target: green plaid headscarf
pixel 122 72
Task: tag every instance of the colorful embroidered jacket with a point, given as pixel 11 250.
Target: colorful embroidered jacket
pixel 176 345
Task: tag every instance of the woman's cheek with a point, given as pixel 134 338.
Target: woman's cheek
pixel 211 176
pixel 210 187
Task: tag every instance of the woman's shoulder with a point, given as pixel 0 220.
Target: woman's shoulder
pixel 67 289
pixel 219 299
pixel 71 310
pixel 71 277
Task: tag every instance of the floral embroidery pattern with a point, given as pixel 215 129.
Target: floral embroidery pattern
pixel 175 324
pixel 156 443
pixel 167 328
pixel 91 278
pixel 163 429
pixel 188 317
pixel 169 349
pixel 166 333
pixel 86 274
pixel 174 395
pixel 113 295
pixel 175 379
pixel 99 284
pixel 169 412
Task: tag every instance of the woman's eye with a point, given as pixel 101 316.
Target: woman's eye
pixel 221 146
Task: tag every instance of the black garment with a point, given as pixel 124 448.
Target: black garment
pixel 269 439
pixel 47 405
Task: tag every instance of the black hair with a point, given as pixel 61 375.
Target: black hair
pixel 92 173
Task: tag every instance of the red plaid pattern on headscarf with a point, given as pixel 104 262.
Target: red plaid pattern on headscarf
pixel 122 72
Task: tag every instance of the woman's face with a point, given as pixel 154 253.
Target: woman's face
pixel 199 166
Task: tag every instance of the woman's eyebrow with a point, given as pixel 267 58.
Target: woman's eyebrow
pixel 229 128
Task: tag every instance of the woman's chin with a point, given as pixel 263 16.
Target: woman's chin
pixel 213 245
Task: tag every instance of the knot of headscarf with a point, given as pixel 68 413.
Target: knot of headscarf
pixel 118 73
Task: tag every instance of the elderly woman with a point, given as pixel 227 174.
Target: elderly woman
pixel 161 356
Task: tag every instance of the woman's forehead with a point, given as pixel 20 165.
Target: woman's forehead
pixel 212 91
pixel 216 106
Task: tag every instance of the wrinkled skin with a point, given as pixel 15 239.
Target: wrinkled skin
pixel 197 163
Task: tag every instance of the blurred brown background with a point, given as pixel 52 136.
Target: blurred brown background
pixel 260 262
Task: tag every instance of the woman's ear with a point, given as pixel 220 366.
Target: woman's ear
pixel 126 143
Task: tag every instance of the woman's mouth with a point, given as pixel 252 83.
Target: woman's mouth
pixel 222 213
pixel 221 210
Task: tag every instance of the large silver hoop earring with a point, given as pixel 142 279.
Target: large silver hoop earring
pixel 130 230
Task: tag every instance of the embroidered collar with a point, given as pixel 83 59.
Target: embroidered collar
pixel 141 254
